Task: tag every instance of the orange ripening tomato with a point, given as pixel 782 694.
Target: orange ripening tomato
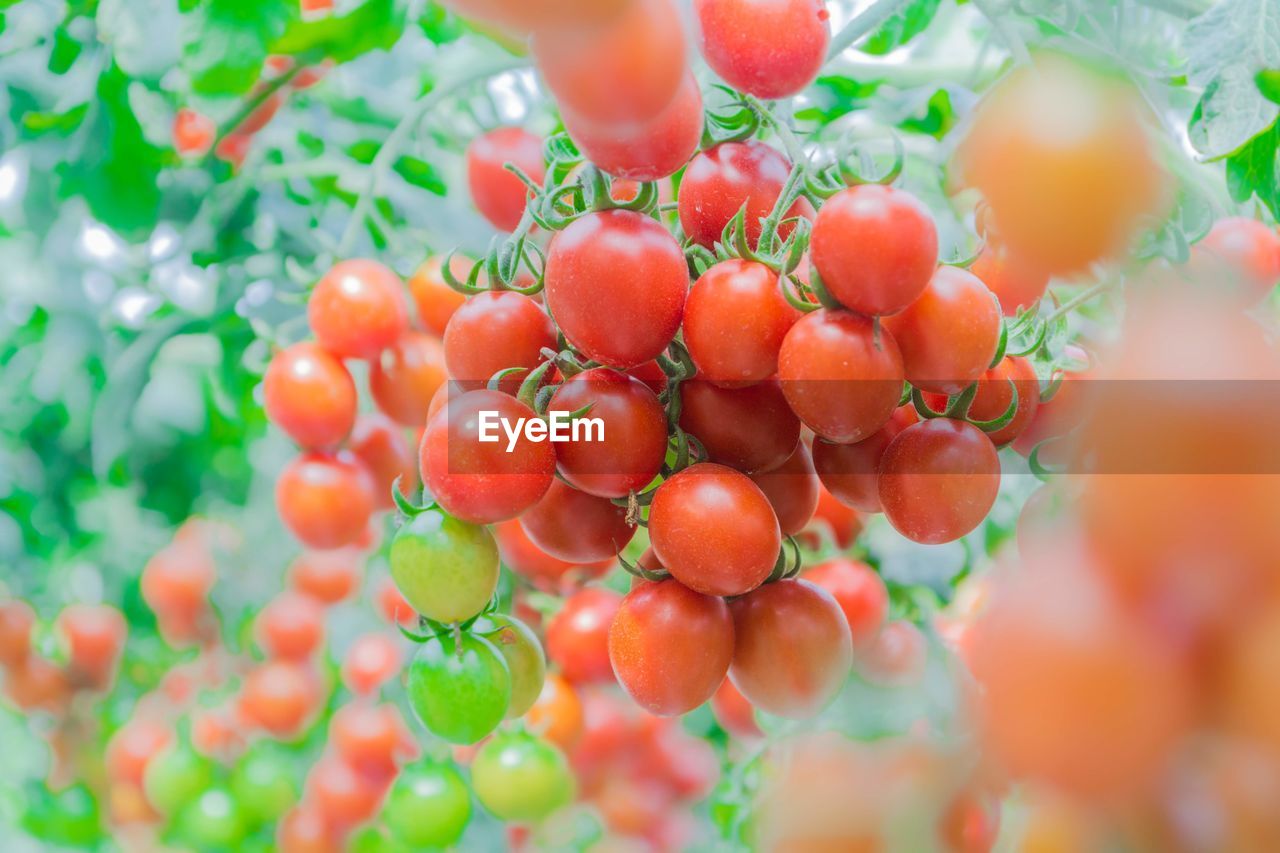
pixel 381 446
pixel 1015 282
pixel 1245 251
pixel 95 635
pixel 325 500
pixel 372 660
pixel 193 133
pixel 557 713
pixel 132 747
pixel 327 576
pixel 280 697
pixel 434 299
pixel 17 620
pixel 767 48
pixel 358 309
pixel 860 592
pixel 405 376
pixel 290 627
pixel 310 396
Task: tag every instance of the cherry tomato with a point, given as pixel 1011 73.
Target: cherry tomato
pixel 616 284
pixel 175 777
pixel 498 194
pixel 405 376
pixel 263 783
pixel 859 591
pixel 326 576
pixel 479 481
pixel 193 133
pixel 370 738
pixel 345 796
pixel 734 713
pixel 1015 283
pixel 841 376
pixel 433 298
pixel 792 650
pixel 851 472
pixel 895 657
pixel 280 697
pixel 429 806
pixel 519 646
pixel 626 68
pixel 262 114
pixel 310 396
pixel 290 627
pixel 133 746
pixel 643 151
pixel 381 446
pixel 304 830
pixel 520 777
pixel 792 489
pixel 949 335
pixel 544 571
pixel 1248 249
pixel 771 49
pixel 938 480
pixel 214 820
pixel 995 394
pixel 358 309
pixel 459 689
pixel 17 620
pixel 735 320
pixel 651 374
pixel 751 429
pixel 971 823
pixel 875 248
pixel 447 569
pixel 720 180
pixel 493 331
pixel 576 527
pixel 35 683
pixel 578 635
pixel 391 604
pixel 670 646
pixel 626 453
pixel 372 660
pixel 714 530
pixel 95 635
pixel 557 713
pixel 325 500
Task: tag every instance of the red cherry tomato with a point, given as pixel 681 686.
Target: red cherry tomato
pixel 544 571
pixel 767 48
pixel 859 591
pixel 842 524
pixel 670 646
pixel 616 284
pixel 325 500
pixel 290 627
pixel 634 442
pixel 17 620
pixel 643 151
pixel 735 320
pixel 851 472
pixel 95 635
pixel 372 660
pixel 1016 283
pixel 344 796
pixel 305 830
pixel 792 651
pixel 480 481
pixel 371 739
pixel 875 248
pixel 132 747
pixel 938 480
pixel 840 375
pixel 310 396
pixel 1062 412
pixel 734 713
pixel 577 527
pixel 193 133
pixel 651 374
pixel 392 605
pixel 500 195
pixel 578 635
pixel 358 309
pixel 714 530
pixel 405 376
pixel 720 180
pixel 751 429
pixel 280 697
pixel 433 297
pixel 386 454
pixel 895 657
pixel 625 68
pixel 792 489
pixel 995 394
pixel 493 331
pixel 326 576
pixel 1248 249
pixel 949 335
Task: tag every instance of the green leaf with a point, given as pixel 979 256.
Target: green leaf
pixel 1226 48
pixel 422 174
pixel 64 52
pixel 1252 170
pixel 63 122
pixel 1269 84
pixel 440 25
pixel 374 25
pixel 939 116
pixel 833 97
pixel 364 151
pixel 226 43
pixel 909 21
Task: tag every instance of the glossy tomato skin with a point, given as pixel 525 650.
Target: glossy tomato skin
pixel 498 194
pixel 949 335
pixel 735 320
pixel 544 571
pixel 520 777
pixel 792 651
pixel 290 627
pixel 280 697
pixel 1250 250
pixel 616 284
pixel 1015 282
pixel 840 377
pixel 428 806
pixel 493 331
pixel 875 248
pixel 385 453
pixel 720 180
pixel 772 49
pixel 445 568
pixel 479 481
pixel 459 691
pixel 734 713
pixel 751 429
pixel 624 69
pixel 371 661
pixel 358 309
pixel 325 500
pixel 557 713
pixel 670 646
pixel 851 472
pixel 577 527
pixel 405 376
pixel 433 298
pixel 578 636
pixel 938 480
pixel 634 443
pixel 714 530
pixel 895 657
pixel 860 592
pixel 995 394
pixel 310 396
pixel 792 489
pixel 648 150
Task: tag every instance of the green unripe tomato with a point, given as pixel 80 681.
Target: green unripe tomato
pixel 263 785
pixel 176 777
pixel 213 821
pixel 446 569
pixel 428 806
pixel 459 691
pixel 523 653
pixel 68 818
pixel 521 777
pixel 375 839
